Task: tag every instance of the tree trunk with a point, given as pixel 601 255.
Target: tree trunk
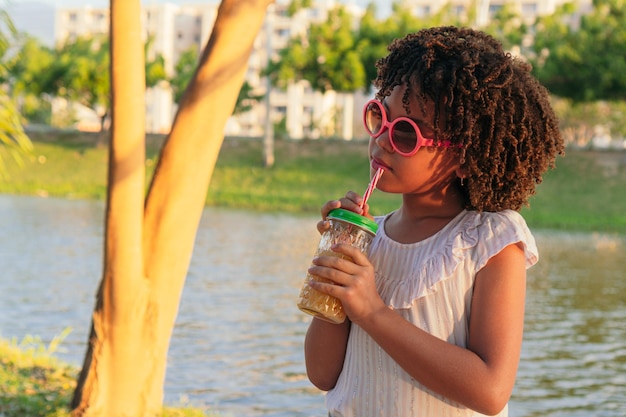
pixel 148 249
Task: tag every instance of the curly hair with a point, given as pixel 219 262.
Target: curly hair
pixel 489 104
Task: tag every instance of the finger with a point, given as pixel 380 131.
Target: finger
pixel 323 226
pixel 326 288
pixel 337 276
pixel 344 264
pixel 358 257
pixel 355 197
pixel 328 206
pixel 366 211
pixel 352 201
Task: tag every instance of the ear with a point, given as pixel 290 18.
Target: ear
pixel 461 172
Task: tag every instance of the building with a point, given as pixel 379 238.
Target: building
pixel 484 9
pixel 173 29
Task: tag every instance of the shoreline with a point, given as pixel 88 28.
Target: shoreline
pixel 584 192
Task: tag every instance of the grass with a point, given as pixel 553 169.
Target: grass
pixel 33 383
pixel 584 193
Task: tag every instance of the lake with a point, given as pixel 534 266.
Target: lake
pixel 237 344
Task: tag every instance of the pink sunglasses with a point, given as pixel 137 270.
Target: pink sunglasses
pixel 404 135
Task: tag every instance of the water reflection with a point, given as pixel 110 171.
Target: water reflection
pixel 238 312
pixel 574 355
pixel 237 344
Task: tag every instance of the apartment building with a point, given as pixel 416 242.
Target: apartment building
pixel 174 28
pixel 528 9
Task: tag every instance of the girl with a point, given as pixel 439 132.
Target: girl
pixel 436 309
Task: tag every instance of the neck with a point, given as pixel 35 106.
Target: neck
pixel 420 217
pixel 446 204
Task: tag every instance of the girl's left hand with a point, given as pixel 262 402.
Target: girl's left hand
pixel 351 202
pixel 353 282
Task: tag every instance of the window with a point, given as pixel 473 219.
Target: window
pixel 422 11
pixel 494 8
pixel 529 9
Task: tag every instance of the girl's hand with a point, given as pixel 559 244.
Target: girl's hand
pixel 350 202
pixel 353 282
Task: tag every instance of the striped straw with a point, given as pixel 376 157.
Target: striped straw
pixel 371 186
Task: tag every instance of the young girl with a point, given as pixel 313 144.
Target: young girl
pixel 436 309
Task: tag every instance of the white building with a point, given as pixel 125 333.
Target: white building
pixel 174 28
pixel 527 9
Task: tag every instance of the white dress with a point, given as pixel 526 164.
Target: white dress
pixel 429 283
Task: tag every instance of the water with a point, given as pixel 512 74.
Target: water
pixel 237 344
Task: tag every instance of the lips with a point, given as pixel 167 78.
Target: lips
pixel 377 163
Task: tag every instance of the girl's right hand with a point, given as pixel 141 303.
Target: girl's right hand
pixel 350 202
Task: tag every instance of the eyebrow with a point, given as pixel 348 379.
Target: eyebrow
pixel 417 121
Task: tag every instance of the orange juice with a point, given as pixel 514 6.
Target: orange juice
pixel 345 227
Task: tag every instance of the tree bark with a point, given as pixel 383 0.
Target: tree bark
pixel 148 248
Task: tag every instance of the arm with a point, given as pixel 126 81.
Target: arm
pixel 480 377
pixel 325 343
pixel 324 352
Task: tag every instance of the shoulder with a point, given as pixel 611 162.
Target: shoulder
pixel 494 231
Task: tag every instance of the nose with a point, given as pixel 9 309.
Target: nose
pixel 382 140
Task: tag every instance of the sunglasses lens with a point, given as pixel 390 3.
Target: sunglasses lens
pixel 373 118
pixel 404 136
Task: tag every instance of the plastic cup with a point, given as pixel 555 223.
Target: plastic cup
pixel 345 227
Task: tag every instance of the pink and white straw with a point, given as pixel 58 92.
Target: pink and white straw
pixel 371 186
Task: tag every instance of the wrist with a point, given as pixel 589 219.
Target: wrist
pixel 376 317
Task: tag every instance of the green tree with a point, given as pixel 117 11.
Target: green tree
pixel 326 57
pixel 77 71
pixel 28 70
pixel 296 5
pixel 374 35
pixel 583 58
pixel 80 73
pixel 377 35
pixel 155 65
pixel 336 56
pixel 579 121
pixel 13 141
pixel 507 26
pixel 246 98
pixel 183 71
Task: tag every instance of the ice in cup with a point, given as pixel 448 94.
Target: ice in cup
pixel 345 227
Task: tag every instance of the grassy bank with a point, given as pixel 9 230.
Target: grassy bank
pixel 33 383
pixel 585 192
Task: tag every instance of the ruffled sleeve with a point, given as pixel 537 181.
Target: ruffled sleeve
pixel 406 272
pixel 499 230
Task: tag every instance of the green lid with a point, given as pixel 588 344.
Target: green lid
pixel 356 219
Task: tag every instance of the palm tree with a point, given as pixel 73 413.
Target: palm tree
pixel 14 143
